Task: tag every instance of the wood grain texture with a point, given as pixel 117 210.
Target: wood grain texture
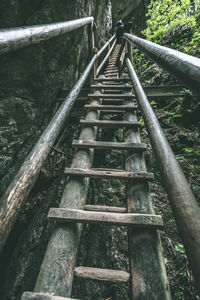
pixel 92 173
pixel 148 274
pixel 109 218
pixel 110 124
pixel 111 96
pixel 42 296
pixel 56 273
pixel 102 274
pixel 108 107
pixel 108 86
pixel 105 208
pixel 116 79
pixel 109 145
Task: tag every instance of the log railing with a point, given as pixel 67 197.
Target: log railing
pixel 18 190
pixel 183 66
pixel 185 208
pixel 15 38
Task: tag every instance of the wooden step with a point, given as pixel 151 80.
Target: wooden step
pixel 112 96
pixel 111 107
pixel 43 296
pixel 111 91
pixel 107 112
pixel 108 218
pixel 114 209
pixel 102 274
pixel 108 145
pixel 119 174
pixel 108 86
pixel 110 124
pixel 107 79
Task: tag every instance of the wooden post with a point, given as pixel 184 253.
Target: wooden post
pixel 148 275
pixel 56 273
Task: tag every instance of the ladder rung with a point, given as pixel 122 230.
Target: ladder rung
pixel 110 107
pixel 111 111
pixel 106 86
pixel 111 96
pixel 102 274
pixel 114 209
pixel 113 91
pixel 116 79
pixel 92 173
pixel 43 296
pixel 110 124
pixel 108 218
pixel 108 145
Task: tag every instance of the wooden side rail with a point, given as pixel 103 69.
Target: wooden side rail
pixel 184 205
pixel 105 59
pixel 18 190
pixel 20 37
pixel 183 66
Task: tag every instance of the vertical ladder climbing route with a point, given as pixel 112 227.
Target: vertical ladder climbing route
pixel 147 272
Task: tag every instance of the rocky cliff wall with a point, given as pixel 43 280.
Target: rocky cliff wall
pixel 31 80
pixel 133 11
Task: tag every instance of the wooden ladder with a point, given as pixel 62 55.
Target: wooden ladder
pixel 112 95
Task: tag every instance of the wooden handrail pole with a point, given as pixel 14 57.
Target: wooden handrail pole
pixel 185 208
pixel 15 38
pixel 183 66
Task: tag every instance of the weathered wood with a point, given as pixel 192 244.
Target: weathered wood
pixel 42 296
pixel 116 79
pixel 56 273
pixel 112 96
pixel 110 107
pixel 18 190
pixel 185 208
pixel 92 173
pixel 114 209
pixel 183 66
pixel 148 275
pixel 108 218
pixel 102 274
pixel 100 67
pixel 107 86
pixel 108 112
pixel 110 123
pixel 109 145
pixel 112 91
pixel 20 37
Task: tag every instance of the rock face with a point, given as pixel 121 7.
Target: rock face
pixel 129 10
pixel 31 80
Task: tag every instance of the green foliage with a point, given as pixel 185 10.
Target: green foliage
pixel 166 15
